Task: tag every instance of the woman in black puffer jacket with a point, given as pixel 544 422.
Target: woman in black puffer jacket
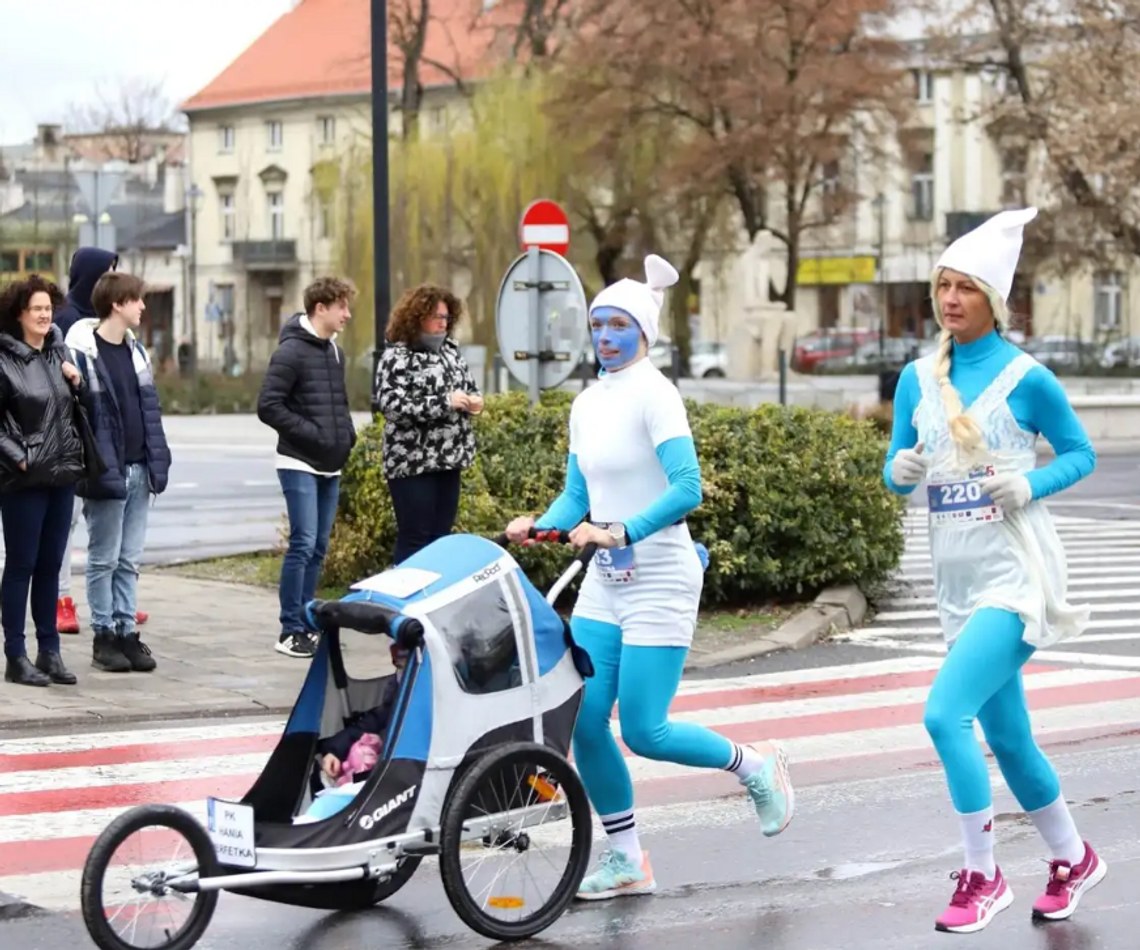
pixel 41 459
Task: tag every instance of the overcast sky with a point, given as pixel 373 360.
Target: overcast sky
pixel 55 52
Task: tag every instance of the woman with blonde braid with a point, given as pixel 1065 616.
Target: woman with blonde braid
pixel 999 567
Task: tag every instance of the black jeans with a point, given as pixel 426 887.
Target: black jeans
pixel 425 507
pixel 37 524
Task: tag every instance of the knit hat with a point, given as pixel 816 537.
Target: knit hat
pixel 642 301
pixel 990 252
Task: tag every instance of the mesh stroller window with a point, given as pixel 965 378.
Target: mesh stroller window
pixel 481 640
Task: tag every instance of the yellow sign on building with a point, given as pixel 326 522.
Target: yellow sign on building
pixel 836 270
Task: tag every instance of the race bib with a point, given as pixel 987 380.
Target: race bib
pixel 615 565
pixel 963 502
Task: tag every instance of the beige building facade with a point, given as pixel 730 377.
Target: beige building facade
pixel 941 175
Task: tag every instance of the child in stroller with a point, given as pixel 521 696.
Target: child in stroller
pixel 346 758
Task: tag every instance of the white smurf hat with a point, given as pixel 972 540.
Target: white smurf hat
pixel 990 252
pixel 642 301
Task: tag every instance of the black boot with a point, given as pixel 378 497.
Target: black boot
pixel 107 654
pixel 137 653
pixel 21 672
pixel 52 665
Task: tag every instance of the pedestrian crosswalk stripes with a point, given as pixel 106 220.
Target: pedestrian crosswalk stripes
pixel 1104 574
pixel 58 793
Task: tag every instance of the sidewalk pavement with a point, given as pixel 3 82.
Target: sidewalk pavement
pixel 214 646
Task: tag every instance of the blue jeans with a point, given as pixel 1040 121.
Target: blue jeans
pixel 36 525
pixel 116 534
pixel 310 501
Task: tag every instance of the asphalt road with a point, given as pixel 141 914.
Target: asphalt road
pixel 223 497
pixel 864 866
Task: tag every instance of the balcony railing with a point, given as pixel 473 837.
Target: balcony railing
pixel 265 255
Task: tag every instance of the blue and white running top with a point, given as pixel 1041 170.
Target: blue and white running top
pixel 632 460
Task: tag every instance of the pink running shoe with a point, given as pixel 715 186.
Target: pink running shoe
pixel 1067 884
pixel 975 903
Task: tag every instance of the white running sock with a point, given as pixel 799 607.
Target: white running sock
pixel 622 834
pixel 978 839
pixel 745 761
pixel 1055 824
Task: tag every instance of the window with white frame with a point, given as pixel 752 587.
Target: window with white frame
pixel 274 135
pixel 228 207
pixel 923 86
pixel 922 188
pixel 326 129
pixel 1108 300
pixel 226 138
pixel 276 215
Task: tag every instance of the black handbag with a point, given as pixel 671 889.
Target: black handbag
pixel 93 464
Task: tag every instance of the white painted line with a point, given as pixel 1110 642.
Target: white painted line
pixel 894 616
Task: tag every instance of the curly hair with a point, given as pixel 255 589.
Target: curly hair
pixel 406 322
pixel 16 297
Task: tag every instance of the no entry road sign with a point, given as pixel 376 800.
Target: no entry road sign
pixel 545 225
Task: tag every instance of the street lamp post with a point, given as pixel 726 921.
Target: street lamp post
pixel 880 203
pixel 381 279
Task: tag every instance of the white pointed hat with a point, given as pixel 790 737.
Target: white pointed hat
pixel 990 252
pixel 642 301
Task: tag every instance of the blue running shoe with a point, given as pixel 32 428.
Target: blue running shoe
pixel 617 876
pixel 770 788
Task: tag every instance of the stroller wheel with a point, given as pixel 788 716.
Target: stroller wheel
pixel 510 803
pixel 126 897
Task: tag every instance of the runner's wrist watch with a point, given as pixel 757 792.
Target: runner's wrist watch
pixel 617 532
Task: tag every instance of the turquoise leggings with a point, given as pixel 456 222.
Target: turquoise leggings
pixel 981 679
pixel 643 682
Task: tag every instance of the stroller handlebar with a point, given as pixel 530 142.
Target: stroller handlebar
pixel 366 616
pixel 551 536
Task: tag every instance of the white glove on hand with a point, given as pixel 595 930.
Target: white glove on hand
pixel 909 466
pixel 1010 491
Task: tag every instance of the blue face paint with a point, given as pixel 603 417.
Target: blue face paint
pixel 616 337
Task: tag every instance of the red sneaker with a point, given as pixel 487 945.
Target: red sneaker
pixel 141 617
pixel 1067 884
pixel 65 619
pixel 975 903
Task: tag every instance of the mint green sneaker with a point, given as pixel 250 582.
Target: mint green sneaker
pixel 617 876
pixel 770 789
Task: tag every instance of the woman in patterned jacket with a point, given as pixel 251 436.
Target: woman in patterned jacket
pixel 427 396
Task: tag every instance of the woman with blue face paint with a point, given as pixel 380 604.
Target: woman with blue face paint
pixel 633 467
pixel 999 566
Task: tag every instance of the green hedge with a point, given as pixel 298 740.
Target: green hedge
pixel 793 498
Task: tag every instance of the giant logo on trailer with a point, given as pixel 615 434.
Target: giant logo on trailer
pixel 368 821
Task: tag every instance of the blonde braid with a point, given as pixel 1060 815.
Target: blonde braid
pixel 964 430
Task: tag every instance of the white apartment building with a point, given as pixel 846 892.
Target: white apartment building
pixel 266 138
pixel 946 173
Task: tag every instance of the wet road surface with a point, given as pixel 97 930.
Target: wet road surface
pixel 865 864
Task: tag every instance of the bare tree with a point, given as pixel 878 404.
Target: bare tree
pixel 1067 76
pixel 127 114
pixel 763 96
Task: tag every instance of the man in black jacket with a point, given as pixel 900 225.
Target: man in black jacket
pixel 304 398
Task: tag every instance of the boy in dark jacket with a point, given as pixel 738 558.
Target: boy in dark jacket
pixel 88 264
pixel 127 422
pixel 305 400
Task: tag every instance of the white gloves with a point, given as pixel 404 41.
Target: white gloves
pixel 1010 491
pixel 909 466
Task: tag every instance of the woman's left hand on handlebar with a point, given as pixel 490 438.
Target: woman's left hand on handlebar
pixel 518 530
pixel 587 533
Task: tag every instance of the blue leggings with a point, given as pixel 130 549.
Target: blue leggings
pixel 981 679
pixel 643 682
